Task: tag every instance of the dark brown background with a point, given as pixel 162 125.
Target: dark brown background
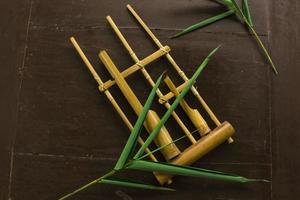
pixel 57 132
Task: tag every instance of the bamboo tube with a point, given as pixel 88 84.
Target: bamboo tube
pixel 108 94
pixel 148 77
pixel 139 65
pixel 177 68
pixel 152 119
pixel 203 146
pixel 193 114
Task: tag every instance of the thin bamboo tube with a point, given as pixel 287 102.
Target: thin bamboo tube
pixel 193 114
pixel 139 65
pixel 148 77
pixel 177 68
pixel 108 94
pixel 152 119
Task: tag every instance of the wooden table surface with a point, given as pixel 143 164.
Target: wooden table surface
pixel 57 132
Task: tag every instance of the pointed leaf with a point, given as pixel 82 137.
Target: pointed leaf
pixel 166 116
pixel 246 11
pixel 132 140
pixel 186 171
pixel 204 23
pixel 129 183
pixel 225 2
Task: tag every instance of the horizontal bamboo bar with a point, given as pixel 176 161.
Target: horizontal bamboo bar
pixel 139 65
pixel 193 114
pixel 148 77
pixel 203 146
pixel 152 119
pixel 108 94
pixel 177 68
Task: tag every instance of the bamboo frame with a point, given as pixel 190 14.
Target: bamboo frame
pixel 148 77
pixel 107 93
pixel 209 140
pixel 177 68
pixel 152 119
pixel 139 65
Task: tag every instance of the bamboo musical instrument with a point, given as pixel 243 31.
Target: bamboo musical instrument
pixel 194 115
pixel 152 118
pixel 148 77
pixel 177 68
pixel 107 93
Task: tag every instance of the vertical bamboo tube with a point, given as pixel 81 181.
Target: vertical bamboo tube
pixel 193 114
pixel 152 119
pixel 148 77
pixel 177 68
pixel 108 94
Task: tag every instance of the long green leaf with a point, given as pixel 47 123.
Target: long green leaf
pixel 257 38
pixel 132 140
pixel 129 183
pixel 204 23
pixel 246 11
pixel 187 171
pixel 166 116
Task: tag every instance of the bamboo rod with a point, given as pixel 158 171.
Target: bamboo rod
pixel 193 114
pixel 108 94
pixel 148 77
pixel 152 119
pixel 177 68
pixel 139 65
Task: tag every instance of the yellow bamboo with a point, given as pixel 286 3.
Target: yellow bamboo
pixel 108 94
pixel 177 68
pixel 196 151
pixel 139 65
pixel 193 114
pixel 152 119
pixel 148 77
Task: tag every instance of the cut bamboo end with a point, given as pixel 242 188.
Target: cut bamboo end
pixel 203 146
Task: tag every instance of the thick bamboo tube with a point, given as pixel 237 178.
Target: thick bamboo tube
pixel 108 94
pixel 193 114
pixel 203 146
pixel 177 68
pixel 139 65
pixel 148 77
pixel 152 119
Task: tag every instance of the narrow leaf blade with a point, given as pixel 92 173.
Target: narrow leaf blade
pixel 129 183
pixel 246 11
pixel 166 116
pixel 132 140
pixel 204 23
pixel 187 171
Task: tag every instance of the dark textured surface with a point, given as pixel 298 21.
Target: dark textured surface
pixel 56 129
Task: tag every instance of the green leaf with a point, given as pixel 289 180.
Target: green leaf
pixel 204 23
pixel 246 11
pixel 257 38
pixel 132 140
pixel 129 183
pixel 187 171
pixel 225 2
pixel 166 116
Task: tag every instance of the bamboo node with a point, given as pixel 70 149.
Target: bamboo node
pixel 140 64
pixel 102 88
